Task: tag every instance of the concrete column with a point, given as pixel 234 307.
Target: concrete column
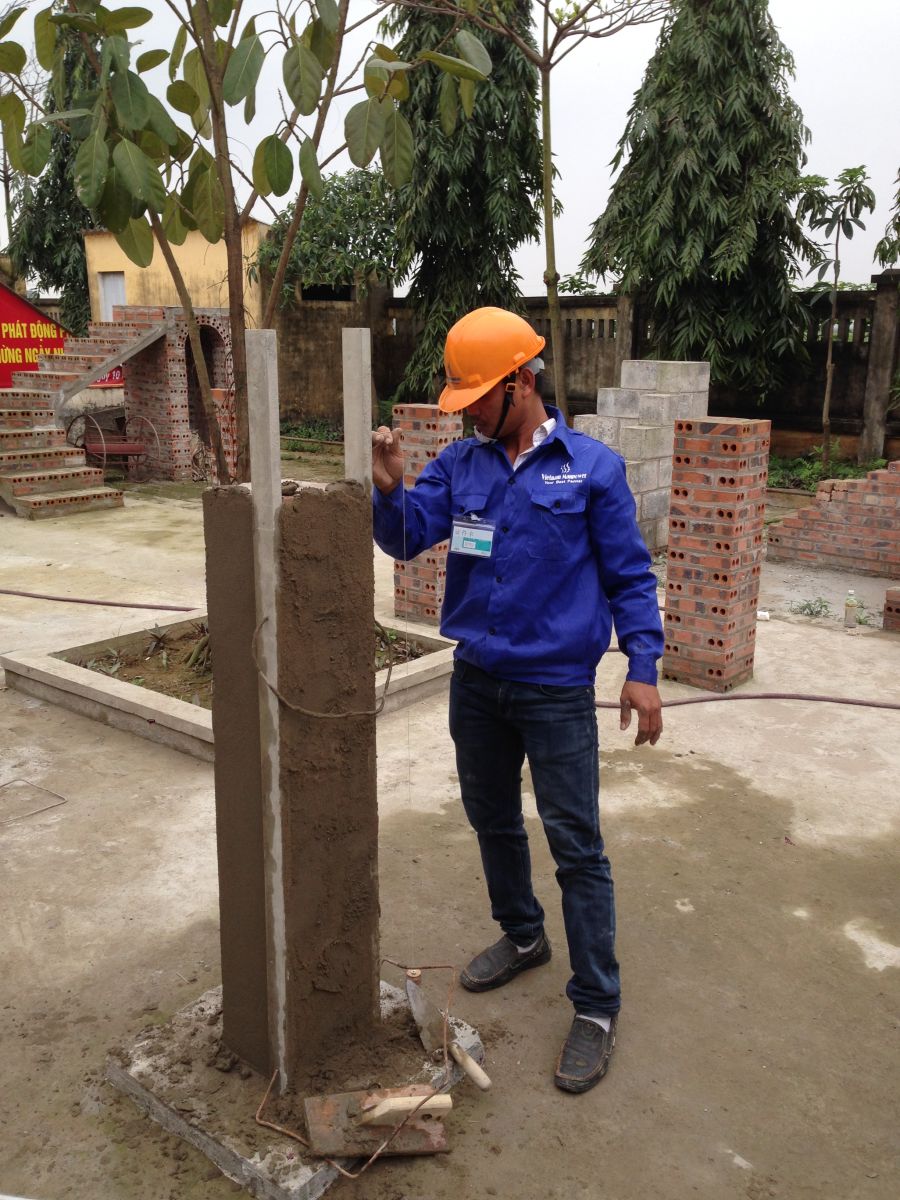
pixel 356 345
pixel 330 817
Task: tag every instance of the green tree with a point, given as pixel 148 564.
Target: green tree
pixel 348 235
pixel 151 179
pixel 700 222
pixel 887 251
pixel 47 218
pixel 474 195
pixel 837 213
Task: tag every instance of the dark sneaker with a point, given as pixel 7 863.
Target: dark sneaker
pixel 499 963
pixel 585 1055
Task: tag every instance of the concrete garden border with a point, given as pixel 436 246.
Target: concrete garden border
pixel 175 723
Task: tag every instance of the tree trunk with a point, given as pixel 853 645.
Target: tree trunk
pixel 184 296
pixel 233 243
pixel 551 276
pixel 882 354
pixel 829 362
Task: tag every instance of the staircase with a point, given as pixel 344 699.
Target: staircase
pixel 40 475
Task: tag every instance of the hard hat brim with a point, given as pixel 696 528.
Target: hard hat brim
pixel 452 399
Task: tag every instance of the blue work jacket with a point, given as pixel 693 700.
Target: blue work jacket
pixel 567 557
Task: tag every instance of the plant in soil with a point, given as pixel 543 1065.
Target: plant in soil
pixel 179 664
pixel 806 471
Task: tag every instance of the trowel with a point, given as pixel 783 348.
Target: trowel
pixel 431 1030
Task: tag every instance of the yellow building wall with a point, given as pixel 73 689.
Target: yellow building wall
pixel 202 265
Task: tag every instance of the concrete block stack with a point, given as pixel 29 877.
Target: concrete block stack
pixel 637 420
pixel 719 472
pixel 891 618
pixel 854 525
pixel 419 584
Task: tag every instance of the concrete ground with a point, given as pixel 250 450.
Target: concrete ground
pixel 755 851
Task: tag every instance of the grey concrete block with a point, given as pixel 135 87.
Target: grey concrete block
pixel 660 408
pixel 682 377
pixel 655 505
pixel 648 533
pixel 692 404
pixel 647 441
pixel 603 429
pixel 640 373
pixel 665 471
pixel 662 533
pixel 618 402
pixel 643 476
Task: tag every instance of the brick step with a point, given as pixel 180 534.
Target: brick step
pixel 120 330
pixel 23 397
pixel 42 438
pixel 29 483
pixel 13 419
pixel 43 381
pixel 77 362
pixel 58 504
pixel 40 458
pixel 96 346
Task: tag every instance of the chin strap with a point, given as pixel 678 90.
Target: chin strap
pixel 508 402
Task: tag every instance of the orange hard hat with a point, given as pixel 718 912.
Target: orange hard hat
pixel 482 348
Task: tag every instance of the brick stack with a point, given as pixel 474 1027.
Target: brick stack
pixel 891 618
pixel 719 472
pixel 419 583
pixel 854 525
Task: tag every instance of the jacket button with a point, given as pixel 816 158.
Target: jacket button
pixel 556 504
pixel 512 480
pixel 504 529
pixel 499 578
pixel 492 631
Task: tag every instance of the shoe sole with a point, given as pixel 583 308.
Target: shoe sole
pixel 580 1085
pixel 479 985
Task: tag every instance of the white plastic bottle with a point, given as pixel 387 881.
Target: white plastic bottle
pixel 851 605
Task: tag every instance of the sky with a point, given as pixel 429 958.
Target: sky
pixel 846 85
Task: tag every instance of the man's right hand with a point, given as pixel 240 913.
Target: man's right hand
pixel 387 459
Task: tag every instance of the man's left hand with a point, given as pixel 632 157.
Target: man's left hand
pixel 644 699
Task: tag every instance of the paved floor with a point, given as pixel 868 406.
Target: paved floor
pixel 756 858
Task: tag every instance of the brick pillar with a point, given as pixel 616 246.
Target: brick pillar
pixel 719 472
pixel 419 583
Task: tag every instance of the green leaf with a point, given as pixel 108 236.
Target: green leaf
pixel 36 148
pixel 136 239
pixel 250 107
pixel 150 59
pixel 131 99
pixel 364 129
pixel 12 111
pixel 10 19
pixel 259 172
pixel 44 38
pixel 139 175
pixel 473 51
pixel 309 169
pixel 303 75
pixel 467 96
pixel 12 57
pixel 161 123
pixel 173 226
pixel 119 19
pixel 114 208
pixel 77 21
pixel 177 50
pixel 195 74
pixel 243 70
pixel 91 166
pixel 455 66
pixel 182 97
pixel 448 106
pixel 220 11
pixel 70 114
pixel 328 11
pixel 322 41
pixel 115 55
pixel 279 164
pixel 397 148
pixel 12 144
pixel 209 206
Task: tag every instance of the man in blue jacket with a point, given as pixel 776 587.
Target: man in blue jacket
pixel 545 553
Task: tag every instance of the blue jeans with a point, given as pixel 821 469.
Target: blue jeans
pixel 495 724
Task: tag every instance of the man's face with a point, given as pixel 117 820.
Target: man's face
pixel 485 413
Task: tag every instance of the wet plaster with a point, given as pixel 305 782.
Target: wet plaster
pixel 330 821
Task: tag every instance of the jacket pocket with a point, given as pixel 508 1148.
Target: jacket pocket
pixel 557 521
pixel 467 502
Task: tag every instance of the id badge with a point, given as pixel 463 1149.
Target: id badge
pixel 472 537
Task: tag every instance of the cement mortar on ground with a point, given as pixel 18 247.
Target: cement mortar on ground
pixel 755 851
